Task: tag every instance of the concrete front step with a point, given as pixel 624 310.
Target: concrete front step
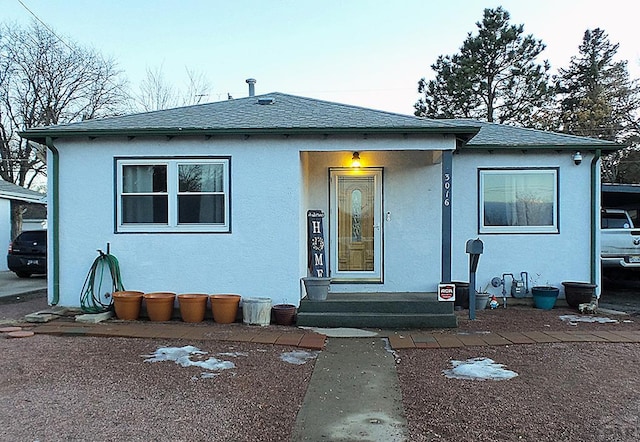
pixel 376 320
pixel 381 306
pixel 380 310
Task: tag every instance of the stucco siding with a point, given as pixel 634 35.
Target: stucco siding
pixel 548 258
pixel 411 215
pixel 260 257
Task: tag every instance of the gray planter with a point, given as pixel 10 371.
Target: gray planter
pixel 316 288
pixel 482 299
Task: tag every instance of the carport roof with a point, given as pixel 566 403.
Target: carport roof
pixel 278 113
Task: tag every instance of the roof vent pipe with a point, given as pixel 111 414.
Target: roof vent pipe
pixel 252 86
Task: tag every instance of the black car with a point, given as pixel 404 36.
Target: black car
pixel 28 253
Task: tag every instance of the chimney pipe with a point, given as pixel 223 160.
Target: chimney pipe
pixel 252 86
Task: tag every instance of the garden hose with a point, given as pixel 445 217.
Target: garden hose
pixel 93 299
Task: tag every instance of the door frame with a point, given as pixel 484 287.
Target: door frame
pixel 377 275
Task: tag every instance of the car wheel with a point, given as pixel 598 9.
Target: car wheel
pixel 23 274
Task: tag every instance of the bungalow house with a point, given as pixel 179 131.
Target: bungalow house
pixel 214 198
pixel 10 196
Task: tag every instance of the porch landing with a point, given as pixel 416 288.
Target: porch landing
pixel 377 310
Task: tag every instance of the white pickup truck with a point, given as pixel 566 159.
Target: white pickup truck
pixel 619 240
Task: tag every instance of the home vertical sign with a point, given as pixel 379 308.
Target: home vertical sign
pixel 315 234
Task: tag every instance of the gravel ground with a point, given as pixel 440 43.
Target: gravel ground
pixel 88 389
pixel 563 391
pixel 97 389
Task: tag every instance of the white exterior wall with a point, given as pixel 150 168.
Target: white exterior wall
pixel 565 256
pixel 259 258
pixel 274 181
pixel 411 199
pixel 5 231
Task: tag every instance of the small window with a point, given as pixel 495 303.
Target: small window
pixel 519 201
pixel 173 195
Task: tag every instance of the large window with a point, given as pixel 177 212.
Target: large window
pixel 175 195
pixel 519 201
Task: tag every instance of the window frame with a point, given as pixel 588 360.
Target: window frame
pixel 173 193
pixel 554 228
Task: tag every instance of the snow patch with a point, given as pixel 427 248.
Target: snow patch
pixel 586 318
pixel 478 369
pixel 183 357
pixel 298 357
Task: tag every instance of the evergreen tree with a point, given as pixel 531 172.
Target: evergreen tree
pixel 494 77
pixel 597 98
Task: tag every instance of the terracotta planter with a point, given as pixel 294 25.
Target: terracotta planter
pixel 225 308
pixel 127 304
pixel 159 305
pixel 193 306
pixel 284 313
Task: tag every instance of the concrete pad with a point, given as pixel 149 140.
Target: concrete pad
pixel 495 339
pixel 94 318
pixel 399 342
pixel 606 311
pixel 40 317
pixel 540 337
pixel 290 339
pixel 448 341
pixel 353 395
pixel 471 340
pixel 516 338
pixel 312 341
pixel 343 332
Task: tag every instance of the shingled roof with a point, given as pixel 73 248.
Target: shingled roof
pixel 11 191
pixel 496 136
pixel 278 113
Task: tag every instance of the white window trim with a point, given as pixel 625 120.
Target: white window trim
pixel 518 229
pixel 172 191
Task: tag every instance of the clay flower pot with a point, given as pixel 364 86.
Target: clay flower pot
pixel 193 306
pixel 284 313
pixel 159 305
pixel 127 304
pixel 225 308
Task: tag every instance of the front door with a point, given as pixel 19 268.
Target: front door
pixel 356 225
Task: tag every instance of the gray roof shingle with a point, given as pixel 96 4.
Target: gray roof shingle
pixel 287 114
pixel 493 135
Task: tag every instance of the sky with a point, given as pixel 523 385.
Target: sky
pixel 369 53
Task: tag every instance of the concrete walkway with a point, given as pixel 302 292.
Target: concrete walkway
pixel 14 289
pixel 353 395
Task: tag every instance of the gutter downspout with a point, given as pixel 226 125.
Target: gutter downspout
pixel 595 207
pixel 53 216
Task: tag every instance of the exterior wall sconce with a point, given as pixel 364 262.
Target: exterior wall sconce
pixel 577 158
pixel 355 160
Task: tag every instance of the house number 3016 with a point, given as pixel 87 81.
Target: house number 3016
pixel 446 189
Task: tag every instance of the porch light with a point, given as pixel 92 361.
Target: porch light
pixel 355 160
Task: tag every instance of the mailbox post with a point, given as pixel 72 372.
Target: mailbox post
pixel 475 248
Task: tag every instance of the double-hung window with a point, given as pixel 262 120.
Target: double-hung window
pixel 518 200
pixel 173 195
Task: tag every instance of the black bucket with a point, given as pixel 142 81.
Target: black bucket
pixel 462 294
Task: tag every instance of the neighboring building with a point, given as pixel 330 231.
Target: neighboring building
pixel 10 195
pixel 214 198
